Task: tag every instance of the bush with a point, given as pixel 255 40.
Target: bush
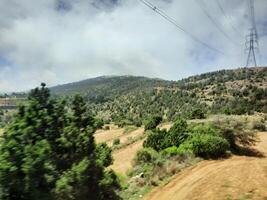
pixel 170 151
pixel 204 129
pixel 146 155
pixel 178 133
pixel 162 139
pixel 157 140
pixel 197 113
pixel 180 125
pixel 116 141
pixel 204 145
pixel 153 123
pixel 99 123
pixel 260 126
pixel 235 132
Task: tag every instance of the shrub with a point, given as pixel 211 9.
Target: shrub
pixel 116 141
pixel 197 113
pixel 146 155
pixel 260 126
pixel 137 122
pixel 99 123
pixel 162 139
pixel 153 123
pixel 156 140
pixel 180 125
pixel 204 145
pixel 204 129
pixel 178 133
pixel 236 133
pixel 170 151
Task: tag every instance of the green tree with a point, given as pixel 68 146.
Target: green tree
pixel 153 122
pixel 48 152
pixel 161 139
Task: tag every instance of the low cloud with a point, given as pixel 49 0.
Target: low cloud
pixel 60 41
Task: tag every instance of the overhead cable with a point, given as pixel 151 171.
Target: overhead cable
pixel 229 18
pixel 202 6
pixel 171 20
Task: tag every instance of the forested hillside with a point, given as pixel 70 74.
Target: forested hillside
pixel 128 99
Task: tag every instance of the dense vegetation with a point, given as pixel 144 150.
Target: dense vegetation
pixel 132 100
pixel 167 152
pixel 208 140
pixel 49 152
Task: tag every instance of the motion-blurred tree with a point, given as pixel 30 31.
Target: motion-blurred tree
pixel 48 152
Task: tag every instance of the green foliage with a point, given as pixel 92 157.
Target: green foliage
pixel 157 140
pixel 151 168
pixel 176 151
pixel 116 141
pixel 205 145
pixel 178 133
pixel 153 122
pixel 99 123
pixel 236 132
pixel 197 113
pixel 146 155
pixel 202 140
pixel 136 99
pixel 206 128
pixel 162 139
pixel 259 126
pixel 48 152
pixel 103 154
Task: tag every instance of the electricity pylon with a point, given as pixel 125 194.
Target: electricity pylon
pixel 252 39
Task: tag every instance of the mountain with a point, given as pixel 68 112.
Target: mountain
pixel 134 99
pixel 105 88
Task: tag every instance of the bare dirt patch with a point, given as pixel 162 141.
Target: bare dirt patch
pixel 239 177
pixel 123 157
pixel 108 135
pixel 126 137
pixel 166 126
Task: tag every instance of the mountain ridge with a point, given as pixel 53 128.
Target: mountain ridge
pixel 135 99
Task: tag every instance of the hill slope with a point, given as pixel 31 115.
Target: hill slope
pixel 239 177
pixel 134 99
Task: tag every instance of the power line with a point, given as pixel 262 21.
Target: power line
pixel 252 39
pixel 202 6
pixel 229 18
pixel 171 20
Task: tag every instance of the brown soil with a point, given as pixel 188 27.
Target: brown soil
pixel 108 135
pixel 238 177
pixel 165 126
pixel 125 137
pixel 123 157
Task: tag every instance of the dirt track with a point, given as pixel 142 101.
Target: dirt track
pixel 123 158
pixel 125 137
pixel 108 135
pixel 238 177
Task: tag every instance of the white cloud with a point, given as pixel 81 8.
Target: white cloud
pixel 43 43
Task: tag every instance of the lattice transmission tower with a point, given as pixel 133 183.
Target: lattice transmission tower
pixel 252 44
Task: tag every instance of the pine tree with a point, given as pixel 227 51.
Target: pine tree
pixel 49 152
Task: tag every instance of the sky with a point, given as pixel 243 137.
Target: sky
pixel 62 41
